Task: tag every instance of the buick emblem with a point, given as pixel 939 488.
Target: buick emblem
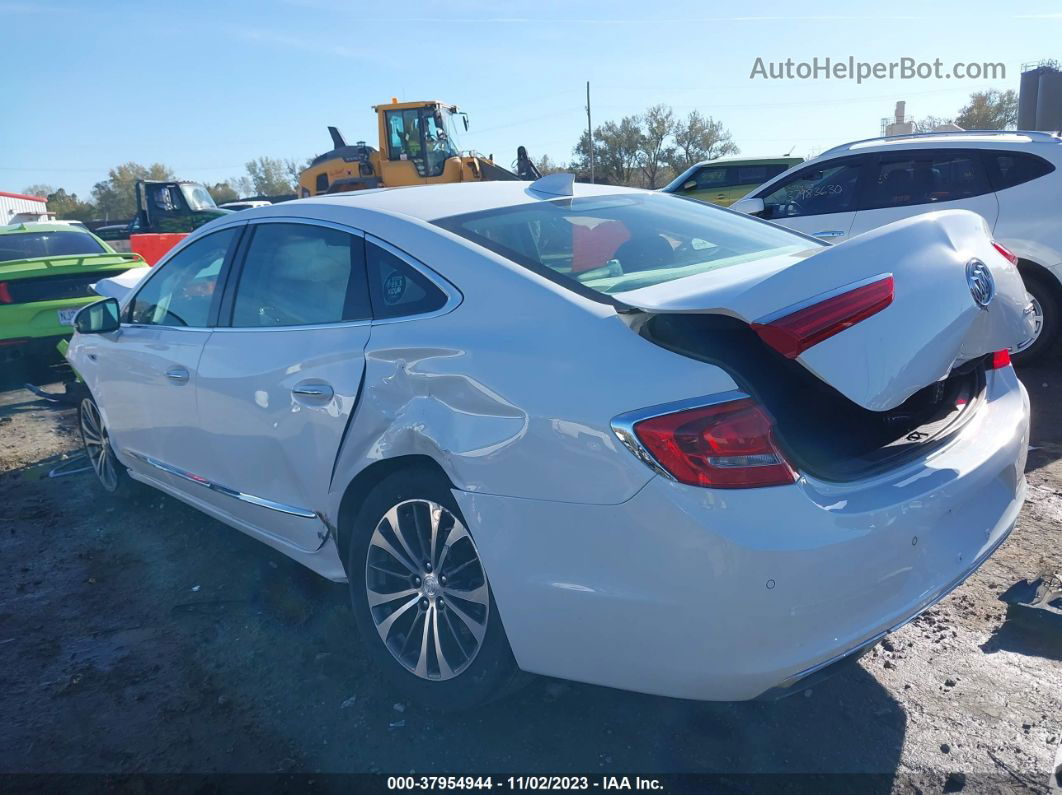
pixel 982 285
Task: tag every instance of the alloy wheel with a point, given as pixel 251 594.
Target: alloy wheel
pixel 1038 325
pixel 426 589
pixel 98 446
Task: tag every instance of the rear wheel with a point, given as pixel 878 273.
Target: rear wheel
pixel 1046 308
pixel 109 471
pixel 421 596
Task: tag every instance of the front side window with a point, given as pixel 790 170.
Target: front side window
pixel 611 244
pixel 925 178
pixel 47 244
pixel 829 188
pixel 397 288
pixel 164 197
pixel 711 177
pixel 300 275
pixel 183 290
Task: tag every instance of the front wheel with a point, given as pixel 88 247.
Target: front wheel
pixel 421 596
pixel 1045 309
pixel 110 473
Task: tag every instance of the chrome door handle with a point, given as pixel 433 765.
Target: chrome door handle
pixel 178 375
pixel 829 233
pixel 320 392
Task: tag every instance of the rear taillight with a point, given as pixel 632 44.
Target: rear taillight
pixel 1012 258
pixel 728 445
pixel 5 294
pixel 794 333
pixel 1000 359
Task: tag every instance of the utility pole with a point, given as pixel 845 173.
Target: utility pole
pixel 589 132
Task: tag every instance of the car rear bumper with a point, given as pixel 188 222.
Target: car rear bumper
pixel 726 595
pixel 38 319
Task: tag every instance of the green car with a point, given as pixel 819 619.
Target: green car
pixel 723 182
pixel 45 273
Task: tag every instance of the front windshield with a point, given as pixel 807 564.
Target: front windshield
pixel 197 197
pixel 47 244
pixel 613 244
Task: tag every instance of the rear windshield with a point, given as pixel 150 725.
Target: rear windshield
pixel 46 244
pixel 612 244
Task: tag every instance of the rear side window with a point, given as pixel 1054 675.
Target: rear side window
pixel 1007 169
pixel 757 175
pixel 398 289
pixel 929 177
pixel 301 275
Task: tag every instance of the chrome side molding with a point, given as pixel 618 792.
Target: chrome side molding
pixel 262 502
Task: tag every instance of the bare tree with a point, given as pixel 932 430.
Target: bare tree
pixel 656 151
pixel 700 138
pixel 38 190
pixel 931 123
pixel 545 165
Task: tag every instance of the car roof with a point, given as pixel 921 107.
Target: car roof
pixel 36 226
pixel 975 138
pixel 432 202
pixel 739 159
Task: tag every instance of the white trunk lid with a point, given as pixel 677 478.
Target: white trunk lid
pixel 932 325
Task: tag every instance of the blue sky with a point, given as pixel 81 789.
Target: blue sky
pixel 206 86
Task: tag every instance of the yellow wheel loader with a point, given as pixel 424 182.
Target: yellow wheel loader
pixel 416 148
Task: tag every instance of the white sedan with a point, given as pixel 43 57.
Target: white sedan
pixel 602 434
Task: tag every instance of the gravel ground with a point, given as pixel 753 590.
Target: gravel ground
pixel 141 636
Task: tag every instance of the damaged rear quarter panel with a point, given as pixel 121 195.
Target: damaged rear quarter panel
pixel 512 391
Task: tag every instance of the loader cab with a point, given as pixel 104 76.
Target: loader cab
pixel 417 141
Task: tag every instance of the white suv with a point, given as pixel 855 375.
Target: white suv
pixel 1012 179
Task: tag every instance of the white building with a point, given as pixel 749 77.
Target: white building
pixel 16 208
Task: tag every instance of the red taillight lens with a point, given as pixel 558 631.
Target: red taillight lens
pixel 725 446
pixel 1006 252
pixel 1000 359
pixel 795 333
pixel 5 294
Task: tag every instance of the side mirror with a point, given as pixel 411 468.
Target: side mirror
pixel 749 206
pixel 689 184
pixel 98 318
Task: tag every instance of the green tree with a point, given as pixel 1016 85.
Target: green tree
pixel 39 190
pixel 69 207
pixel 222 192
pixel 617 149
pixel 700 138
pixel 270 176
pixel 657 151
pixel 116 196
pixel 989 110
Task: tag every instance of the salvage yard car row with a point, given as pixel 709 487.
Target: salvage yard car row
pixel 597 433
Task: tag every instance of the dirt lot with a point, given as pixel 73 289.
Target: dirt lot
pixel 142 636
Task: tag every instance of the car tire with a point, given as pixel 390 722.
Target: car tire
pixel 431 615
pixel 1050 307
pixel 110 474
